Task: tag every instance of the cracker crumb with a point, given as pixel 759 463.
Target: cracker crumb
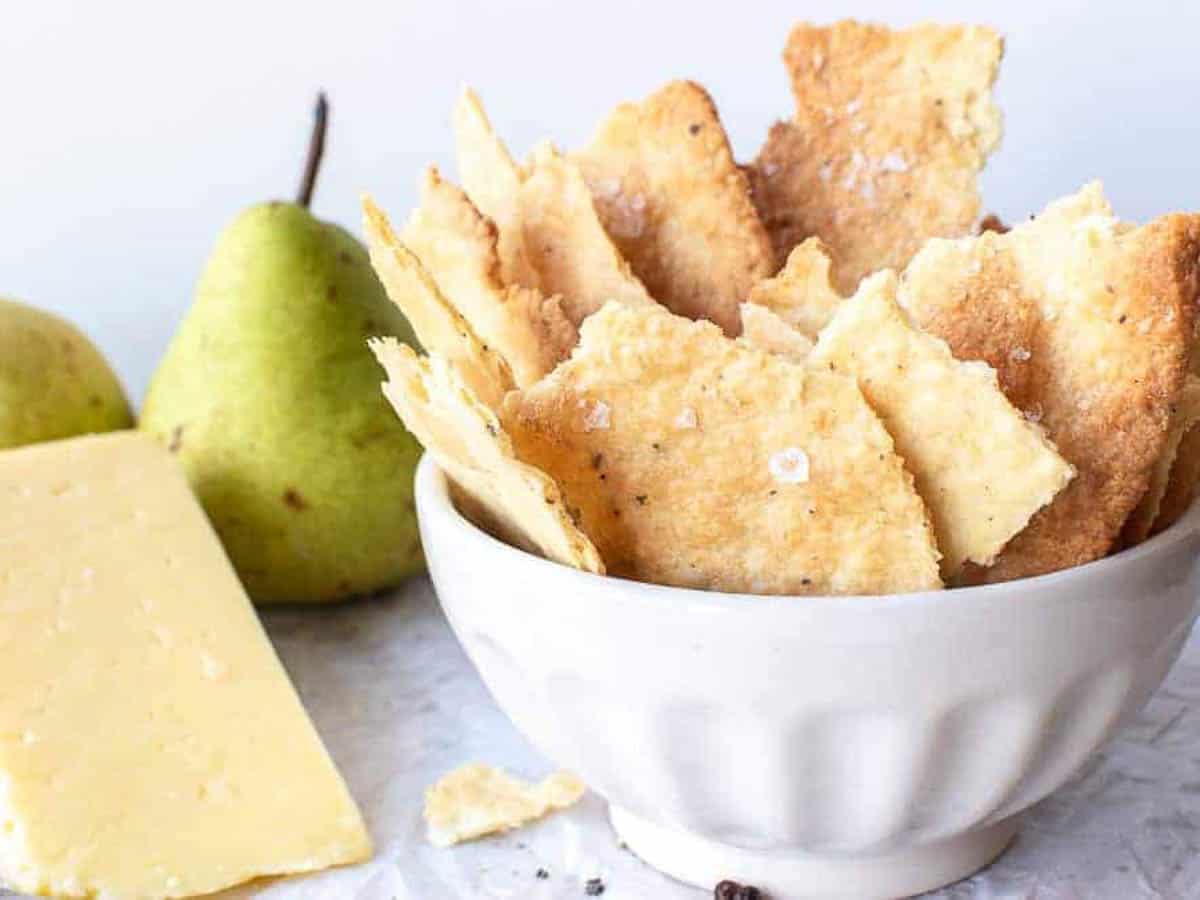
pixel 789 466
pixel 478 800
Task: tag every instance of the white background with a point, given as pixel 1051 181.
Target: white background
pixel 131 130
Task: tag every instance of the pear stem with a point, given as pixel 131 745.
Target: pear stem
pixel 316 149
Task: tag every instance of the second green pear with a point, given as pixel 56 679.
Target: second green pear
pixel 271 400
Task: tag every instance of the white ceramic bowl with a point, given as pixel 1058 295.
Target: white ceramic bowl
pixel 815 747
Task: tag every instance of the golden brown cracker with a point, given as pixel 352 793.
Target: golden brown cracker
pixel 1109 310
pixel 565 242
pixel 438 325
pixel 978 309
pixel 477 800
pixel 982 469
pixel 466 439
pixel 890 130
pixel 676 204
pixel 767 330
pixel 801 293
pixel 492 180
pixel 550 234
pixel 1182 483
pixel 457 246
pixel 1145 516
pixel 696 461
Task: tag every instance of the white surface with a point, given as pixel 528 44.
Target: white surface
pixel 399 705
pixel 819 747
pixel 132 129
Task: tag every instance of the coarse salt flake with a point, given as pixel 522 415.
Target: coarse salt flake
pixel 597 416
pixel 789 466
pixel 893 162
pixel 607 187
pixel 1019 354
pixel 686 418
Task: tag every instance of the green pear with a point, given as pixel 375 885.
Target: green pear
pixel 54 383
pixel 270 398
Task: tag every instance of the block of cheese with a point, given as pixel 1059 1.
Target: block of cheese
pixel 151 744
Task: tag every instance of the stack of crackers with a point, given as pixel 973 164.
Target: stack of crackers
pixel 811 374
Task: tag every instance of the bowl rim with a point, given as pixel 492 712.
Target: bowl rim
pixel 431 490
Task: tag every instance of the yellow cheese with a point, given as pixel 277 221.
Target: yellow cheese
pixel 151 744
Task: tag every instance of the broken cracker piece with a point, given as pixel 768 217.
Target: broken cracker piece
pixel 982 469
pixel 699 462
pixel 1093 319
pixel 890 131
pixel 467 441
pixel 1182 483
pixel 477 800
pixel 457 246
pixel 766 330
pixel 801 293
pixel 677 205
pixel 492 180
pixel 1145 516
pixel 565 241
pixel 438 325
pixel 550 234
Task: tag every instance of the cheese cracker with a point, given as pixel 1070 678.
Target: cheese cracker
pixel 801 293
pixel 550 234
pixel 1144 520
pixel 890 130
pixel 467 441
pixel 458 247
pixel 438 325
pixel 981 467
pixel 676 204
pixel 1099 317
pixel 697 461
